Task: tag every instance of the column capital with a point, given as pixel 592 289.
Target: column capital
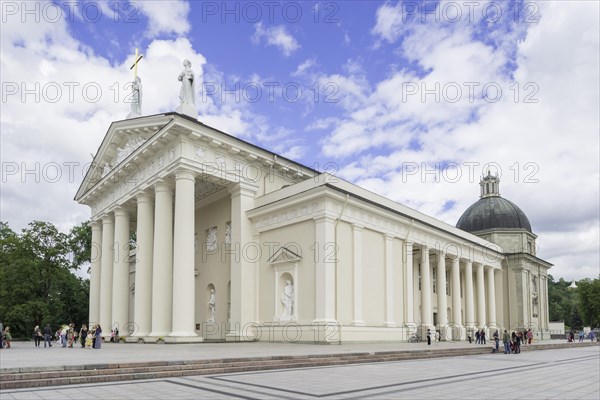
pixel 357 227
pixel 388 236
pixel 121 211
pixel 163 186
pixel 96 225
pixel 107 218
pixel 325 216
pixel 184 173
pixel 243 189
pixel 144 197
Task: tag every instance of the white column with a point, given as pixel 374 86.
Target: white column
pixel 455 290
pixel 480 295
pixel 106 279
pixel 120 305
pixel 326 254
pixel 184 282
pixel 357 274
pixel 408 283
pixel 242 268
pixel 162 261
pixel 469 306
pixel 426 312
pixel 491 298
pixel 389 280
pixel 441 291
pixel 95 276
pixel 143 268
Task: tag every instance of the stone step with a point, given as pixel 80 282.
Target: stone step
pixel 89 374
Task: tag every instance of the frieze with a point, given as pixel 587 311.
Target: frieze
pixel 127 184
pixel 292 215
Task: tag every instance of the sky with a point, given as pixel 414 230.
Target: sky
pixel 411 100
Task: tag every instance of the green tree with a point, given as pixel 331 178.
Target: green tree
pixel 37 280
pixel 588 295
pixel 562 303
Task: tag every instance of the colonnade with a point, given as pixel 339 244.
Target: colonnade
pixel 484 303
pixel 164 272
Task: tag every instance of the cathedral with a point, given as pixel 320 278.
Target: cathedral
pixel 200 236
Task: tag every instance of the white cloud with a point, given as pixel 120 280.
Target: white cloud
pixel 165 17
pixel 47 137
pixel 277 36
pixel 548 151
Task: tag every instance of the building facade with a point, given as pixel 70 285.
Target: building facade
pixel 200 236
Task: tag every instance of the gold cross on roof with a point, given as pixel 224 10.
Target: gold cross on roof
pixel 135 63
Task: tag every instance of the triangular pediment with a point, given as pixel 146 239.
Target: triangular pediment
pixel 284 255
pixel 139 151
pixel 121 140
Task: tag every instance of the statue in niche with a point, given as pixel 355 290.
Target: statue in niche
pixel 534 303
pixel 211 239
pixel 228 233
pixel 212 302
pixel 534 284
pixel 287 298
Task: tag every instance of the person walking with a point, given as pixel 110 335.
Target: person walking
pixel 482 336
pixel 428 337
pixel 496 337
pixel 477 337
pixel 63 336
pixel 518 342
pixel 98 335
pixel 71 335
pixel 506 342
pixel 83 335
pixel 7 337
pixel 37 336
pixel 529 336
pixel 581 336
pixel 47 335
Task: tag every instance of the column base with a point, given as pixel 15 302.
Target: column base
pixel 183 333
pixel 357 322
pixel 184 339
pixel 134 339
pixel 390 324
pixel 238 337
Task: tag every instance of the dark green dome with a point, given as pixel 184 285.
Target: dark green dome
pixel 493 212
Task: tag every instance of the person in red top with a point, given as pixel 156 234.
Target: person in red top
pixel 529 336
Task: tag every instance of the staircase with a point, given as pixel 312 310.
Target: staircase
pixel 89 374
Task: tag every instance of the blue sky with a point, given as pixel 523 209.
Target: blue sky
pixel 412 100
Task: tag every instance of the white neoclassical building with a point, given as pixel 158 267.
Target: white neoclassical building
pixel 233 242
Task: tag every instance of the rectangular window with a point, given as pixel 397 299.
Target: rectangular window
pixel 419 277
pixel 434 280
pixel 447 285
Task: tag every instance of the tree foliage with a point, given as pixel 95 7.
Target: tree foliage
pixel 576 307
pixel 37 280
pixel 588 294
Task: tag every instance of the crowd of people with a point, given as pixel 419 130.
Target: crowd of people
pixel 65 335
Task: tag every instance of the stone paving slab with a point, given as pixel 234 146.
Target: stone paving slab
pixel 571 373
pixel 24 356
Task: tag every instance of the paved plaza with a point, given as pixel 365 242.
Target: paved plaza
pixel 572 373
